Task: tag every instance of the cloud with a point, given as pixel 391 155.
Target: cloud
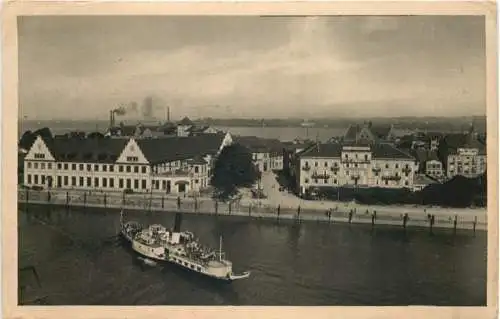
pixel 301 66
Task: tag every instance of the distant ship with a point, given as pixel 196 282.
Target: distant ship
pixel 307 123
pixel 156 243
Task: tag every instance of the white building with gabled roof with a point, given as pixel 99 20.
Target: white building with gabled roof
pixel 176 165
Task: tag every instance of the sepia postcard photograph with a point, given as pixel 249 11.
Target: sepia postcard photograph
pixel 220 155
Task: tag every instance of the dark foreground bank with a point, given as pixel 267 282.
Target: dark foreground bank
pixel 79 260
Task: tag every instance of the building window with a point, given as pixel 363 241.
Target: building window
pixel 104 168
pixel 81 181
pixel 112 182
pixel 43 179
pixel 29 164
pixel 397 165
pixel 143 186
pixel 136 183
pixel 386 165
pixel 366 157
pixel 36 179
pixel 59 166
pixel 96 182
pixel 386 182
pixel 111 168
pixel 96 167
pixel 196 181
pixel 132 159
pixel 65 180
pixel 35 165
pixel 65 166
pixel 42 165
pixel 39 156
pixel 316 164
pixel 326 180
pixel 128 168
pixel 136 169
pixel 406 183
pixel 89 182
pixel 335 181
pixel 144 169
pixel 120 183
pixel 306 180
pixel 104 182
pixel 316 181
pixel 326 164
pixel 89 167
pixel 129 183
pixel 73 167
pixel 73 181
pixel 80 167
pixel 120 168
pixel 196 169
pixel 29 179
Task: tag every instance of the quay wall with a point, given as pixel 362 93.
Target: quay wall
pixel 468 219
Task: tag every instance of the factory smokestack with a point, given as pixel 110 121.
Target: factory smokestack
pixel 147 109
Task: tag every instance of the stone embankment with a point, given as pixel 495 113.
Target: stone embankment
pixel 333 212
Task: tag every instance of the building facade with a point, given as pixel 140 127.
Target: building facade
pixel 174 165
pixel 354 165
pixel 466 161
pixel 267 154
pixel 434 169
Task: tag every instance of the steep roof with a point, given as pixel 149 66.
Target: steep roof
pixel 384 150
pixel 352 132
pixel 97 150
pixel 27 141
pixel 186 121
pixel 257 144
pixel 322 150
pixel 458 140
pixel 198 160
pixel 423 155
pixel 380 131
pixel 177 148
pixel 379 150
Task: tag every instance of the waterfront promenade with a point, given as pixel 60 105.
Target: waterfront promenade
pixel 320 211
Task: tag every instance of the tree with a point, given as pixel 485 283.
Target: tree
pixel 27 140
pixel 45 133
pixel 233 169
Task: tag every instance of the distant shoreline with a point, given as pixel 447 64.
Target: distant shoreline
pixel 442 124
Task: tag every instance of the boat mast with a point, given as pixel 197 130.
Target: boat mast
pixel 220 248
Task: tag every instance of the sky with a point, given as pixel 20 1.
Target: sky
pixel 252 67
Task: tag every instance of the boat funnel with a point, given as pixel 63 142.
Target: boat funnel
pixel 178 221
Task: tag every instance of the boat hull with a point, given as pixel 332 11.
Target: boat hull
pixel 165 258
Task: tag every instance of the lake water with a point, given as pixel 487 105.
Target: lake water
pixel 281 133
pixel 80 261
